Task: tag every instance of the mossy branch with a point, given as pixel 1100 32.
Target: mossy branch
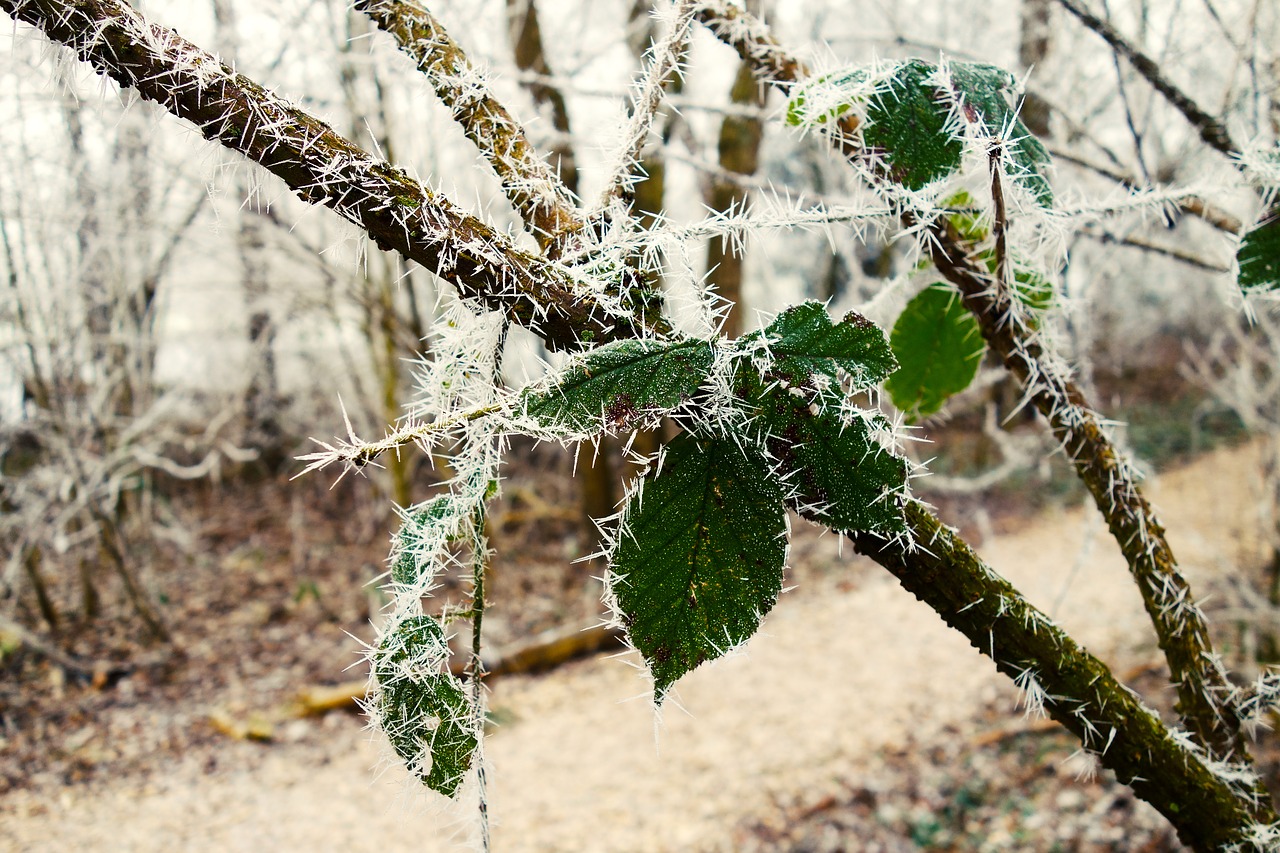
pixel 531 184
pixel 1079 690
pixel 1180 626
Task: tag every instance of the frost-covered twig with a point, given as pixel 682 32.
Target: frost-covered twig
pixel 664 60
pixel 1212 131
pixel 532 185
pixel 1196 205
pixel 355 453
pixel 1180 255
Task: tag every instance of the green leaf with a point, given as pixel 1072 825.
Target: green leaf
pixel 907 122
pixel 428 527
pixel 1034 290
pixel 825 98
pixel 803 341
pixel 986 93
pixel 841 471
pixel 621 384
pixel 422 708
pixel 966 217
pixel 1259 256
pixel 939 346
pixel 699 557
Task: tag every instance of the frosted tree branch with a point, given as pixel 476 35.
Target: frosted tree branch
pixel 1180 626
pixel 664 60
pixel 535 190
pixel 321 166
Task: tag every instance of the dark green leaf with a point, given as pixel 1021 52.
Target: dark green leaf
pixel 621 384
pixel 986 92
pixel 841 470
pixel 699 557
pixel 423 709
pixel 1259 256
pixel 906 121
pixel 803 341
pixel 938 346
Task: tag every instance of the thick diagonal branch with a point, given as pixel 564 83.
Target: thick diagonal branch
pixel 530 183
pixel 1079 690
pixel 323 167
pixel 1180 626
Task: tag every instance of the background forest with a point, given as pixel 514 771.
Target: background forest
pixel 176 325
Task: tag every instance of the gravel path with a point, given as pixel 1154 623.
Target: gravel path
pixel 847 667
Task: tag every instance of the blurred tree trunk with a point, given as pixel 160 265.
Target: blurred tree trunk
pixel 1033 48
pixel 526 45
pixel 599 493
pixel 740 137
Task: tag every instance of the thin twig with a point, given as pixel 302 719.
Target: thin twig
pixel 665 57
pixel 1212 131
pixel 531 184
pixel 1192 204
pixel 1180 255
pixel 356 453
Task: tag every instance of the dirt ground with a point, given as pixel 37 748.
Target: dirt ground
pixel 855 721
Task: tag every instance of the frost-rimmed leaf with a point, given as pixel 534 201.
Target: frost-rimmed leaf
pixel 986 91
pixel 803 341
pixel 621 384
pixel 699 556
pixel 1259 256
pixel 422 708
pixel 840 468
pixel 826 97
pixel 427 527
pixel 939 346
pixel 906 120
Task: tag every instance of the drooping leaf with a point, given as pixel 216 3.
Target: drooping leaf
pixel 938 346
pixel 699 558
pixel 803 341
pixel 907 122
pixel 422 708
pixel 849 479
pixel 986 93
pixel 621 384
pixel 1259 256
pixel 429 526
